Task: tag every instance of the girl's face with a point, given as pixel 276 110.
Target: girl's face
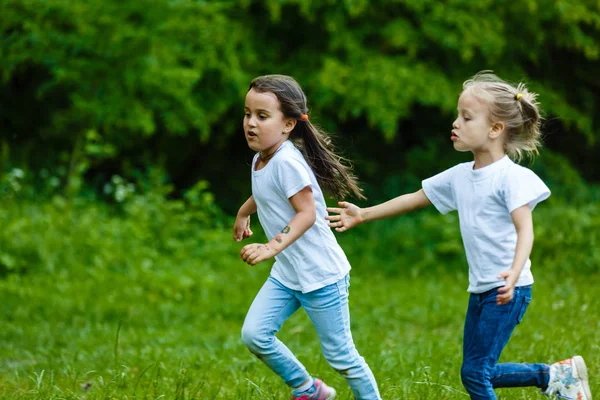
pixel 472 126
pixel 265 126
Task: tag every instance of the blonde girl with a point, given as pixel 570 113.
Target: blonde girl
pixel 494 198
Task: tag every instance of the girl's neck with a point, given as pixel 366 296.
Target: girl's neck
pixel 266 155
pixel 483 159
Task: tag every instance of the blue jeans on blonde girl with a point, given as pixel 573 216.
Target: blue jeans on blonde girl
pixel 488 327
pixel 328 310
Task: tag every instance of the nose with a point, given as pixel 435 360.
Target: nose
pixel 251 121
pixel 455 124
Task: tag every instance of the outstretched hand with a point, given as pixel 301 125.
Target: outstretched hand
pixel 241 228
pixel 349 215
pixel 506 292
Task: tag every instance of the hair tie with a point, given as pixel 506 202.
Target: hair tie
pixel 518 96
pixel 304 117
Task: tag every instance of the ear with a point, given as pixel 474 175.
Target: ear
pixel 290 124
pixel 497 130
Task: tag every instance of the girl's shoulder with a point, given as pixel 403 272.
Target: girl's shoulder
pixel 289 164
pixel 459 171
pixel 518 176
pixel 288 155
pixel 464 167
pixel 517 171
pixel 522 186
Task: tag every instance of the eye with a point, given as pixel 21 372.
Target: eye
pixel 262 116
pixel 246 114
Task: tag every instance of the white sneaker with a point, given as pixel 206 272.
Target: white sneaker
pixel 322 392
pixel 569 380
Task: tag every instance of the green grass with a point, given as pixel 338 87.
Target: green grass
pixel 148 303
pixel 136 336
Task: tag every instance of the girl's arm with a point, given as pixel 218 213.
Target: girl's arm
pixel 248 208
pixel 524 225
pixel 241 227
pixel 306 215
pixel 351 215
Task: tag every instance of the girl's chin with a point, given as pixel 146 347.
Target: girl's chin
pixel 253 146
pixel 459 147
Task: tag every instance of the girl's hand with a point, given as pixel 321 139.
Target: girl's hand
pixel 506 292
pixel 349 216
pixel 254 253
pixel 241 228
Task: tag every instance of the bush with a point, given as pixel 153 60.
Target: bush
pixel 135 232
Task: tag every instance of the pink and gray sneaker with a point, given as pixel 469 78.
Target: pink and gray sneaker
pixel 569 380
pixel 322 392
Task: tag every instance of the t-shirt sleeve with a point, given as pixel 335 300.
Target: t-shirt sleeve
pixel 523 186
pixel 292 176
pixel 439 190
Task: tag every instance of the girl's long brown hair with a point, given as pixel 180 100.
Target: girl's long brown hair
pixel 332 171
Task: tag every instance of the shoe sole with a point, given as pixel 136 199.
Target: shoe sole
pixel 583 375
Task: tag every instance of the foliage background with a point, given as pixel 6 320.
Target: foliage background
pixel 122 162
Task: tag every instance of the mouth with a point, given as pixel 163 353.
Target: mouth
pixel 251 135
pixel 454 137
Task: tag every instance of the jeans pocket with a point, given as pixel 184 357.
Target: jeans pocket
pixel 524 305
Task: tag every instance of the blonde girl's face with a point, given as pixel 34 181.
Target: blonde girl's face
pixel 472 126
pixel 265 126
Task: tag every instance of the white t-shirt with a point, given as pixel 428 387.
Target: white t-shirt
pixel 484 199
pixel 315 259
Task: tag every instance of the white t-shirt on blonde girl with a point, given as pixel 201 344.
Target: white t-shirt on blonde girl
pixel 315 259
pixel 484 199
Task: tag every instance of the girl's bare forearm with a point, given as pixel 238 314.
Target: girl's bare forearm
pixel 301 222
pixel 248 208
pixel 397 206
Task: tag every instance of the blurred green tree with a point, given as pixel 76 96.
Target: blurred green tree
pixel 97 87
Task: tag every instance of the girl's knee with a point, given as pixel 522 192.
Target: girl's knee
pixel 249 336
pixel 469 373
pixel 255 340
pixel 472 376
pixel 345 362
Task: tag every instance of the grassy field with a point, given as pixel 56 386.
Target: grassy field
pixel 176 336
pixel 148 306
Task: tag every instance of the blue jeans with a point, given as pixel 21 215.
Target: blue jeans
pixel 328 310
pixel 488 327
